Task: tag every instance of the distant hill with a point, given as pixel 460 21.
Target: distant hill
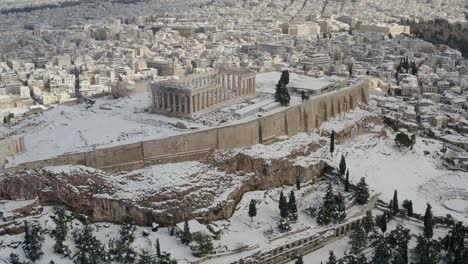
pixel 440 31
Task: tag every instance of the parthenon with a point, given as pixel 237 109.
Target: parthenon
pixel 200 93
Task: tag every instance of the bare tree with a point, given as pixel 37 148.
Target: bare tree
pixel 324 5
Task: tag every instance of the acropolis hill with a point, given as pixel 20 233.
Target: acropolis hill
pixel 301 117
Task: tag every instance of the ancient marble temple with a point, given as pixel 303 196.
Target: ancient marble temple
pixel 200 93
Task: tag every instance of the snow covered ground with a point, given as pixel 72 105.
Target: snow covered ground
pixel 417 177
pixel 107 123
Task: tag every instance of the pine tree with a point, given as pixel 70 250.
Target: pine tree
pixel 299 260
pixel 383 223
pixel 347 181
pixel 324 215
pixel 158 249
pixel 123 252
pixel 201 246
pixel 368 222
pixel 454 244
pixel 33 241
pixel 283 206
pixel 395 202
pixel 14 259
pixel 428 222
pixel 332 142
pixel 60 232
pixel 252 209
pixel 331 258
pixel 399 239
pixel 186 236
pixel 358 238
pixel 282 94
pixel 362 259
pixel 340 209
pixel 146 258
pixel 166 259
pixel 426 250
pixel 362 192
pixel 342 165
pixel 292 208
pixel 382 253
pixel 89 249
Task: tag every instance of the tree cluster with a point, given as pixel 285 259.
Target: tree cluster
pixel 288 210
pixel 33 240
pixel 333 208
pixel 403 140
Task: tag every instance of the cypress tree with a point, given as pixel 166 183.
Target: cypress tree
pixel 332 142
pixel 428 222
pixel 346 187
pixel 186 236
pixel 395 202
pixel 33 241
pixel 342 165
pixel 252 209
pixel 158 248
pixel 292 207
pixel 283 206
pixel 362 192
pixel 410 209
pixel 383 224
pixel 298 184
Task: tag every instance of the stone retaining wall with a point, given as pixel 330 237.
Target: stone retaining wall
pixel 301 118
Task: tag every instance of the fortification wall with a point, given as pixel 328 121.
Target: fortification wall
pixel 10 146
pixel 301 118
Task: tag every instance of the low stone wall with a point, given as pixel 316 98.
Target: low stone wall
pixel 301 118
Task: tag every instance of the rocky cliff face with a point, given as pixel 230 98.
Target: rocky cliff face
pixel 91 192
pixel 166 194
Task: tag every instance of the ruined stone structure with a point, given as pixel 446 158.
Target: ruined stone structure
pixel 199 93
pixel 197 145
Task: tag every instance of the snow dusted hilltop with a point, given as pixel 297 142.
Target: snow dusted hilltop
pixel 107 142
pixel 233 132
